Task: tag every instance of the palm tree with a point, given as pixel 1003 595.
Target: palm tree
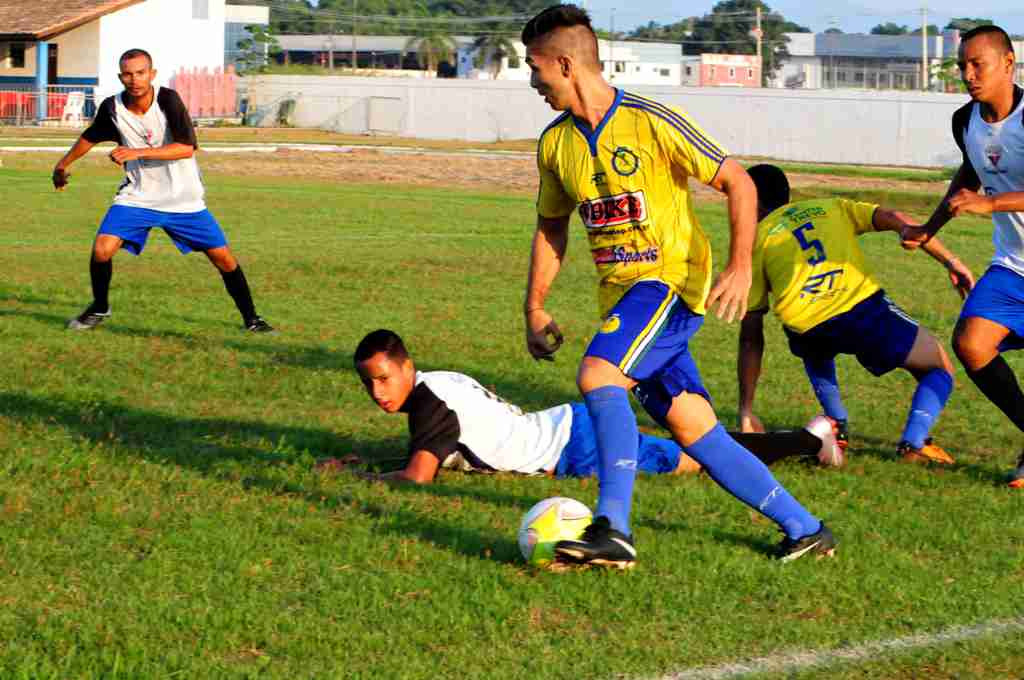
pixel 491 50
pixel 432 46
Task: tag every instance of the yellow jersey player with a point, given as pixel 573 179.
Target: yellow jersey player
pixel 624 162
pixel 807 257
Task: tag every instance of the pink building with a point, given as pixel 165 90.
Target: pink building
pixel 722 70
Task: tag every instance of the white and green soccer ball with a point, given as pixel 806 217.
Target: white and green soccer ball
pixel 551 520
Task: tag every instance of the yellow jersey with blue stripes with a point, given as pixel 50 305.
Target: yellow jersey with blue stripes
pixel 628 179
pixel 806 254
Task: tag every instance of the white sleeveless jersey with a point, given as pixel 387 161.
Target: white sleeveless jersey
pixel 996 152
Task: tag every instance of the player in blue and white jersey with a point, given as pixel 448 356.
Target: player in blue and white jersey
pixel 990 181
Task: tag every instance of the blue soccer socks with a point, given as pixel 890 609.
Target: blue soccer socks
pixel 744 476
pixel 617 448
pixel 822 373
pixel 931 396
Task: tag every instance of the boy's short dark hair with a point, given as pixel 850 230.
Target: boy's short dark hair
pixel 381 340
pixel 557 16
pixel 135 52
pixel 772 186
pixel 1001 38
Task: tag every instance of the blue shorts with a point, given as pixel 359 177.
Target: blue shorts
pixel 579 457
pixel 999 296
pixel 647 335
pixel 876 331
pixel 189 231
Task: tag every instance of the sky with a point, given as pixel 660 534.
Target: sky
pixel 851 17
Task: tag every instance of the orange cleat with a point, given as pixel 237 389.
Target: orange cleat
pixel 929 453
pixel 1017 474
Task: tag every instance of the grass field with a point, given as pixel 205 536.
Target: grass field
pixel 160 516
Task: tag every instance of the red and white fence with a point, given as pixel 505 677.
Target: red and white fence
pixel 208 94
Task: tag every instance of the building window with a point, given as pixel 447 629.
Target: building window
pixel 200 9
pixel 689 70
pixel 620 67
pixel 637 68
pixel 17 55
pixel 664 72
pixel 732 72
pixel 750 74
pixel 841 76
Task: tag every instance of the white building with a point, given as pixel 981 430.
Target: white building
pixel 76 43
pixel 237 20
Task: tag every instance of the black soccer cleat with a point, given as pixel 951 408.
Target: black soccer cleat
pixel 822 543
pixel 88 319
pixel 843 434
pixel 600 545
pixel 258 325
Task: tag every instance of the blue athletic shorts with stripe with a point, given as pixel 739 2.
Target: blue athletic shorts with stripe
pixel 876 331
pixel 579 457
pixel 189 231
pixel 647 335
pixel 999 296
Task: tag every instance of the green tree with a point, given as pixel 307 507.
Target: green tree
pixel 948 73
pixel 256 49
pixel 433 45
pixel 491 50
pixel 727 30
pixel 889 28
pixel 965 24
pixel 833 30
pixel 932 30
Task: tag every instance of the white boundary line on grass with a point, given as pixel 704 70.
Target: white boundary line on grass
pixel 789 662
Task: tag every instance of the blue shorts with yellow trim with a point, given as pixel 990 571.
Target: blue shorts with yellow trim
pixel 875 330
pixel 647 335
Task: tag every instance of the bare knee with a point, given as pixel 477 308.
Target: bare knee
pixel 972 350
pixel 595 373
pixel 222 259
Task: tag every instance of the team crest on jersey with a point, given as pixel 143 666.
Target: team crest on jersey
pixel 625 161
pixel 611 324
pixel 994 153
pixel 611 211
pixel 623 255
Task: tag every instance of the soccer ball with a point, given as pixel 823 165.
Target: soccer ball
pixel 831 453
pixel 551 520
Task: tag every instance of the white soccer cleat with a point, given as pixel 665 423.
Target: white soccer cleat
pixel 824 428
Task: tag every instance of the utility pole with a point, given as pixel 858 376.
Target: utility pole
pixel 355 63
pixel 924 48
pixel 759 34
pixel 611 49
pixel 330 46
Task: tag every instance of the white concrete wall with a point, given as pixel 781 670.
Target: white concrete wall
pixel 854 126
pixel 166 29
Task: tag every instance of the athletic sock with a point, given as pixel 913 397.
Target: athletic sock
pixel 617 447
pixel 100 274
pixel 741 474
pixel 238 289
pixel 770 447
pixel 932 393
pixel 822 373
pixel 997 382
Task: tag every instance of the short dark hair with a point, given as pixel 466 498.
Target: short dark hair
pixel 135 52
pixel 1001 38
pixel 772 186
pixel 381 340
pixel 554 17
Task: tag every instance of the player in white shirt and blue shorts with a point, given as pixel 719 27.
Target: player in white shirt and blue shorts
pixel 457 423
pixel 990 133
pixel 162 187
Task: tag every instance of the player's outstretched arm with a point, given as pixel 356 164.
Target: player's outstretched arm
pixel 61 175
pixel 550 241
pixel 965 183
pixel 732 287
pixel 421 469
pixel 959 274
pixel 748 368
